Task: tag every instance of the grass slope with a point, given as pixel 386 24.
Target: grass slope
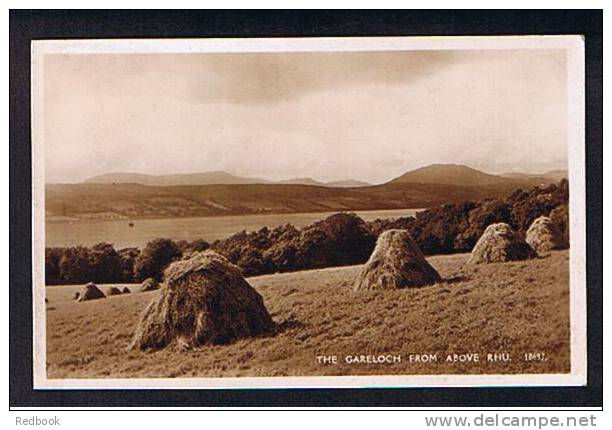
pixel 513 308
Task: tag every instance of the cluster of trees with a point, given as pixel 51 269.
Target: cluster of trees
pixel 340 239
pixel 103 264
pixel 456 228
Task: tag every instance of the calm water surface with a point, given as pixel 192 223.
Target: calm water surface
pixel 119 233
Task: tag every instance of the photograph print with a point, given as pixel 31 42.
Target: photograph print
pixel 324 212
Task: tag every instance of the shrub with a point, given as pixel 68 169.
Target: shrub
pixel 128 258
pixel 75 265
pixel 379 226
pixel 540 201
pixel 52 265
pixel 338 240
pixel 154 258
pixel 105 263
pixel 479 218
pixel 198 245
pixel 436 230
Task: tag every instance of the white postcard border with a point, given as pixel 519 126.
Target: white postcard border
pixel 572 44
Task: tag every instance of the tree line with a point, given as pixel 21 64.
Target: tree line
pixel 340 239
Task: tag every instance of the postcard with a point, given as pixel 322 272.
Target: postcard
pixel 309 212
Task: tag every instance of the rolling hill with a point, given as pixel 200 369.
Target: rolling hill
pixel 426 187
pixel 209 178
pixel 553 175
pixel 450 174
pixel 205 178
pixel 349 183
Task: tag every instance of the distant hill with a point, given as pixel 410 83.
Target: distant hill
pixel 208 178
pixel 205 178
pixel 349 183
pixel 129 195
pixel 302 181
pixel 458 174
pixel 553 175
pixel 122 201
pixel 449 174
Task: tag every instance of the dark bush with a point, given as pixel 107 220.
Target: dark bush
pixel 338 240
pixel 281 257
pixel 53 257
pixel 105 264
pixel 128 258
pixel 154 258
pixel 75 265
pixel 435 230
pixel 527 206
pixel 380 225
pixel 252 262
pixel 479 218
pixel 198 245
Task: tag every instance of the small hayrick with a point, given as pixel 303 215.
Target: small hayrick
pixel 90 292
pixel 544 236
pixel 397 262
pixel 500 243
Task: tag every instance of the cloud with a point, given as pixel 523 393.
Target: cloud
pixel 369 116
pixel 286 77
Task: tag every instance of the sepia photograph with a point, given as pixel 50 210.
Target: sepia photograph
pixel 312 212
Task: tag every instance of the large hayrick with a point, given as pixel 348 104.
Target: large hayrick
pixel 544 236
pixel 397 262
pixel 203 300
pixel 149 284
pixel 90 292
pixel 500 243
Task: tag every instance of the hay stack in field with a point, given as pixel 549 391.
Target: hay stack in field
pixel 500 243
pixel 90 292
pixel 149 284
pixel 113 291
pixel 203 300
pixel 397 262
pixel 560 218
pixel 544 236
pixel 77 295
pixel 126 290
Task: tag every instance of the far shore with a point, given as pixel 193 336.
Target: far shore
pixel 56 219
pixel 137 232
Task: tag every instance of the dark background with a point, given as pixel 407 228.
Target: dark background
pixel 26 26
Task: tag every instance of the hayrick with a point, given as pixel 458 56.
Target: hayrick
pixel 389 358
pixel 36 421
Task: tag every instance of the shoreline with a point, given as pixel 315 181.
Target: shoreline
pixel 71 220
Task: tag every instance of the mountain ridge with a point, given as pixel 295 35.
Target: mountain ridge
pixel 438 173
pixel 217 177
pixel 450 174
pixel 421 188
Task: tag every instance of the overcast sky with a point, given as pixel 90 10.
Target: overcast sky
pixel 330 116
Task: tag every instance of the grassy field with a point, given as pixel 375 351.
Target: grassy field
pixel 512 308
